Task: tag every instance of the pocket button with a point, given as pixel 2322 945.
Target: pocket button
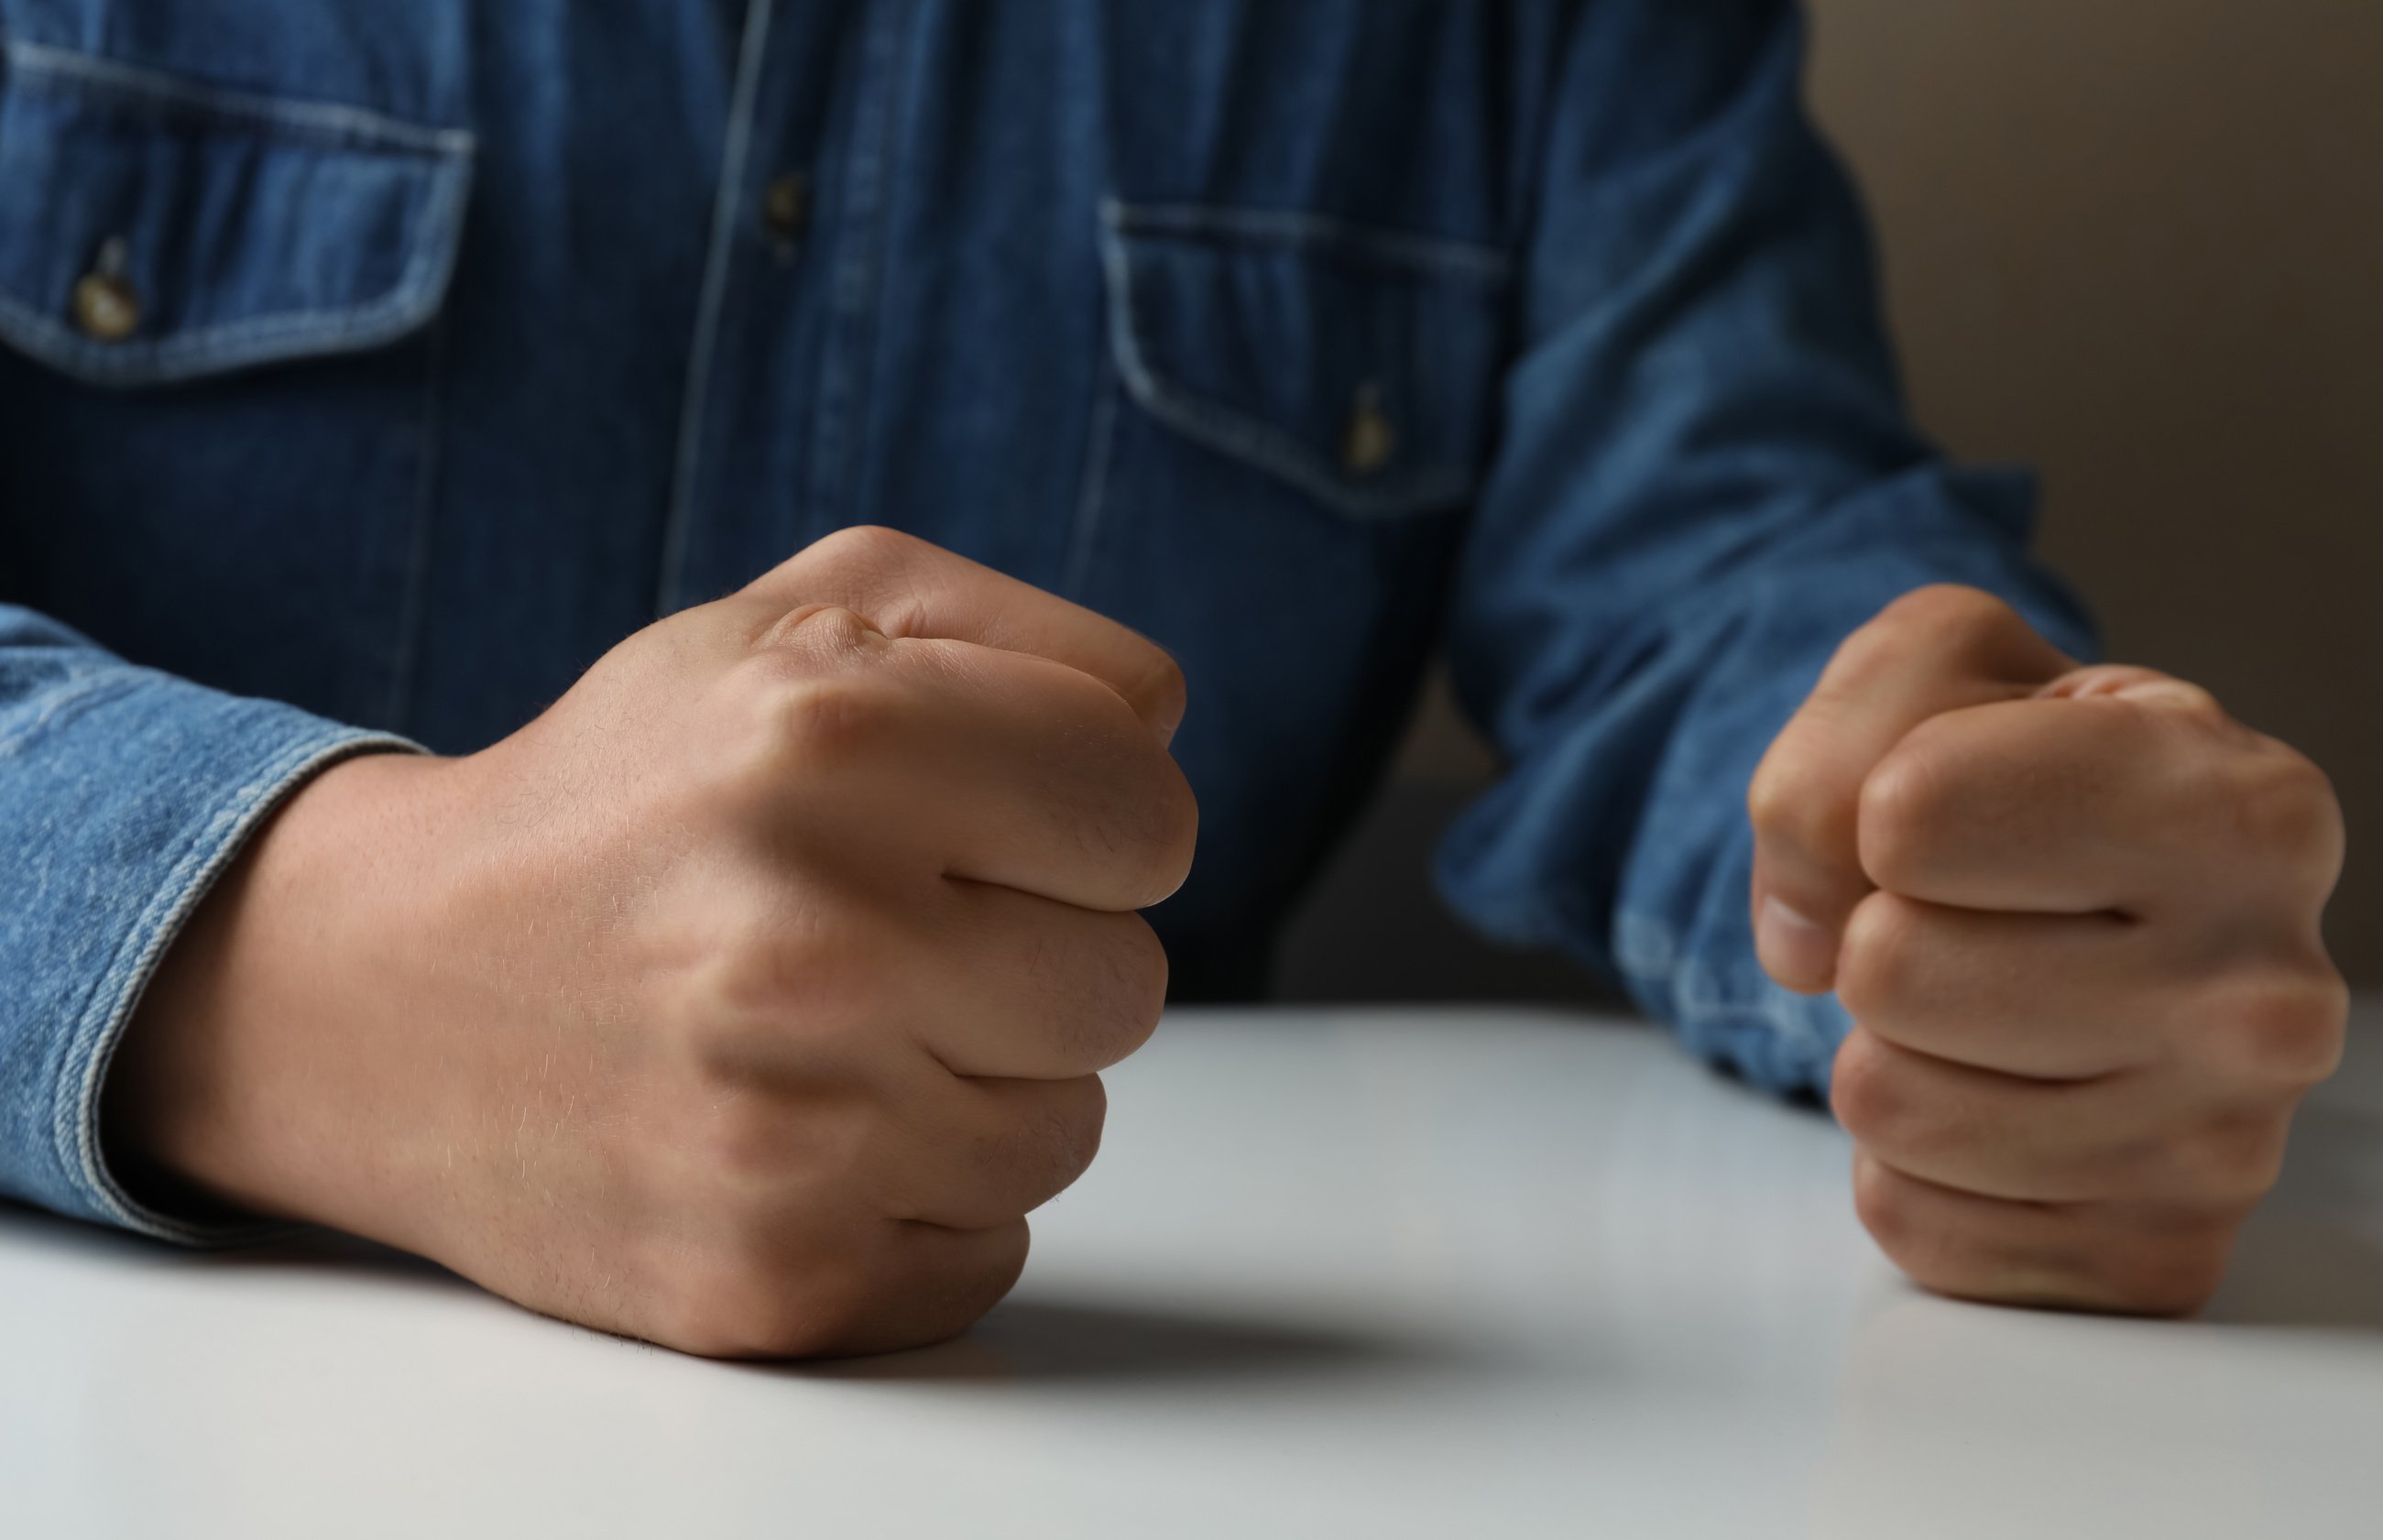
pixel 786 210
pixel 106 306
pixel 1369 440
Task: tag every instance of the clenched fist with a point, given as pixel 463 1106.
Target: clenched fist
pixel 746 1001
pixel 2074 915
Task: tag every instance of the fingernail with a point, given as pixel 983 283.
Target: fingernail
pixel 1795 951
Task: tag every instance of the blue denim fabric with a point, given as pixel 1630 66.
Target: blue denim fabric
pixel 1308 340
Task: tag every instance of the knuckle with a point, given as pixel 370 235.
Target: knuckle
pixel 2285 807
pixel 941 1303
pixel 1100 984
pixel 1794 800
pixel 893 573
pixel 1136 819
pixel 744 1300
pixel 1113 1005
pixel 815 725
pixel 739 1139
pixel 1073 1127
pixel 1947 618
pixel 768 965
pixel 1864 1093
pixel 809 639
pixel 2291 1029
pixel 740 1143
pixel 997 1271
pixel 2235 1158
pixel 1138 969
pixel 1055 1140
pixel 1148 677
pixel 864 549
pixel 743 984
pixel 1876 962
pixel 803 669
pixel 1173 835
pixel 1911 1229
pixel 1884 1205
pixel 1162 684
pixel 1905 797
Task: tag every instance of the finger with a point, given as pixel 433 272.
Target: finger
pixel 906 588
pixel 2136 1259
pixel 2134 1136
pixel 1042 784
pixel 2053 997
pixel 934 1283
pixel 974 1155
pixel 968 761
pixel 2074 805
pixel 895 1286
pixel 1012 985
pixel 1932 651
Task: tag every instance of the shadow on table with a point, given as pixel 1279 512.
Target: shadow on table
pixel 1050 1341
pixel 1023 1340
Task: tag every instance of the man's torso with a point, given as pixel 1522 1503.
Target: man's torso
pixel 442 364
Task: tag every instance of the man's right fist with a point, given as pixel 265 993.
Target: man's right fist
pixel 746 1001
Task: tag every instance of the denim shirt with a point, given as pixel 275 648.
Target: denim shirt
pixel 367 368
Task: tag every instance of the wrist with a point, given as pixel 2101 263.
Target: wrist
pixel 218 1100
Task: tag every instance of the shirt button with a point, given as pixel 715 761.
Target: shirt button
pixel 1369 440
pixel 106 307
pixel 786 208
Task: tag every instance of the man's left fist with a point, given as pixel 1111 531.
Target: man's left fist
pixel 2074 915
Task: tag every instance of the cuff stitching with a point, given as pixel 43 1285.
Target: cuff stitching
pixel 117 989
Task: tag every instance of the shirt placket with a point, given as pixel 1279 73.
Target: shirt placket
pixel 771 436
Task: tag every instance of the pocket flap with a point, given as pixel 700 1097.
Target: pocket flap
pixel 1360 365
pixel 157 228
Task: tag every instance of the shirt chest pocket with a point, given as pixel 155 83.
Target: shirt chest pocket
pixel 215 372
pixel 1300 410
pixel 1357 367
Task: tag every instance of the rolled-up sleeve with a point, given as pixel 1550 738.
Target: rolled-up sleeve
pixel 124 793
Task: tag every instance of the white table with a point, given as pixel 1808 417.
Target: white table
pixel 1445 1274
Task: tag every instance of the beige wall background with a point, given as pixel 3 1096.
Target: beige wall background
pixel 2138 244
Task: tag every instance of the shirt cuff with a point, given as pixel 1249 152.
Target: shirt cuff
pixel 160 787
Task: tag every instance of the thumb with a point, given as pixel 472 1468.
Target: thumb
pixel 906 588
pixel 1934 650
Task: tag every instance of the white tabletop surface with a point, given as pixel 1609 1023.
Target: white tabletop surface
pixel 1445 1274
